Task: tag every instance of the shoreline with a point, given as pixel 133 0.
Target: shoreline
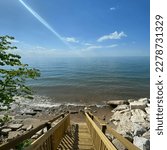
pixel 130 117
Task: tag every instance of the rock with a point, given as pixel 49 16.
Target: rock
pixel 142 143
pixel 146 135
pixel 5 131
pixel 117 116
pixel 15 126
pixel 129 128
pixel 115 123
pixel 37 109
pixel 139 131
pixel 30 113
pixel 148 105
pixel 44 130
pixel 145 100
pixel 27 127
pixel 14 134
pixel 138 105
pixel 120 107
pixel 125 127
pixel 35 136
pixel 118 144
pixel 115 103
pixel 148 100
pixel 130 100
pixel 138 116
pixel 40 132
pixel 147 109
pixel 146 125
pixel 87 109
pixel 148 118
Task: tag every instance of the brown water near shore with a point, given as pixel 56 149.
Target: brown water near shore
pixel 84 95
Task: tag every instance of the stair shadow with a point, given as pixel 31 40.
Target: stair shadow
pixel 71 139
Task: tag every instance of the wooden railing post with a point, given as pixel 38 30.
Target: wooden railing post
pixel 103 128
pixel 48 125
pixel 92 117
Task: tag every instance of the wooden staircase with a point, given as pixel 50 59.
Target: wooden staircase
pixel 62 135
pixel 77 138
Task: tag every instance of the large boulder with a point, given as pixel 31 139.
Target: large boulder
pixel 27 127
pixel 118 115
pixel 115 103
pixel 145 100
pixel 138 105
pixel 138 116
pixel 121 107
pixel 147 109
pixel 139 130
pixel 14 134
pixel 125 127
pixel 5 131
pixel 146 134
pixel 142 143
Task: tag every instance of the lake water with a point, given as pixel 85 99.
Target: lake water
pixel 89 80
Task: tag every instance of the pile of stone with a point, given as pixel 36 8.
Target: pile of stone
pixel 18 127
pixel 13 130
pixel 131 118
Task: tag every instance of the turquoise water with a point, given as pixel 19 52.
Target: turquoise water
pixel 93 79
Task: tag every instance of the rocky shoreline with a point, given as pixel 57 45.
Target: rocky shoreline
pixel 131 118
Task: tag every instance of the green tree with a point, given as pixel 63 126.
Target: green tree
pixel 13 73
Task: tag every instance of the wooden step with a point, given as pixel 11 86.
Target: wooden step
pixel 77 138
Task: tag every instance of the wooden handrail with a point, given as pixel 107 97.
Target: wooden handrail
pixel 123 140
pixel 50 140
pixel 100 141
pixel 27 135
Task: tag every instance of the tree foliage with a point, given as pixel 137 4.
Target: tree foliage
pixel 13 73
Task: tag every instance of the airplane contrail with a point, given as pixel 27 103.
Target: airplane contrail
pixel 41 20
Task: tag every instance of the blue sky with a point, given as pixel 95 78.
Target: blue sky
pixel 69 28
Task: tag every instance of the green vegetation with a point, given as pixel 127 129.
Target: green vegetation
pixel 13 73
pixel 5 118
pixel 24 144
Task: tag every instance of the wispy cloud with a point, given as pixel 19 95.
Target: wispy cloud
pixel 87 44
pixel 71 39
pixel 112 8
pixel 112 46
pixel 112 36
pixel 94 47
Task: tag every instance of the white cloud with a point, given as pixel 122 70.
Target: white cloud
pixel 112 36
pixel 94 47
pixel 112 8
pixel 71 39
pixel 89 48
pixel 87 44
pixel 111 46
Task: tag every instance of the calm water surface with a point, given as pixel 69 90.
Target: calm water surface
pixel 93 79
